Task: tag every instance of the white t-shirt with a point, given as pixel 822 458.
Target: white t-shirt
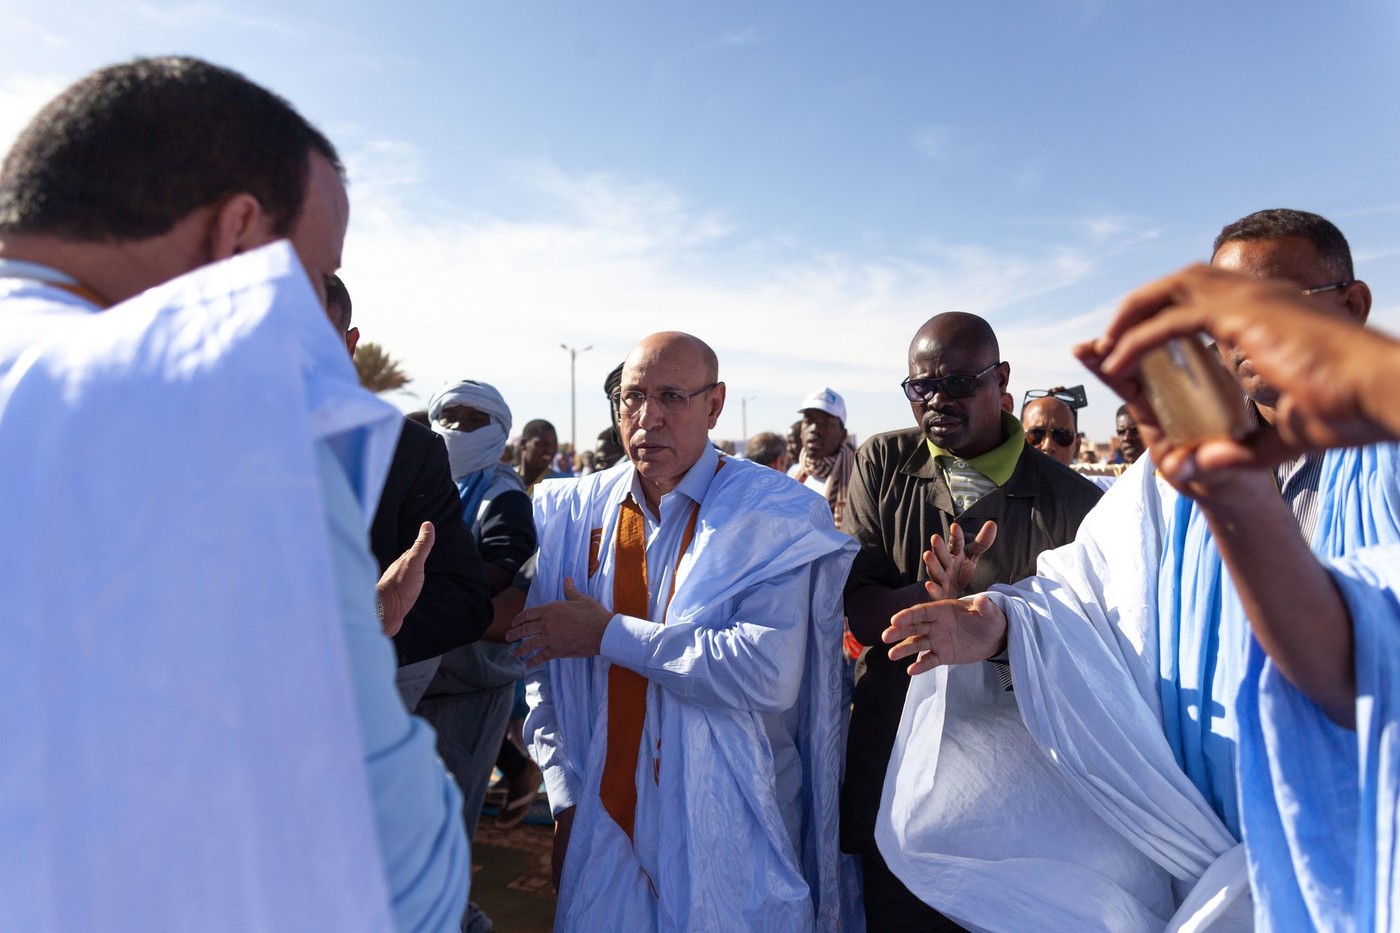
pixel 811 482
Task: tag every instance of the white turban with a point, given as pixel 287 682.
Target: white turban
pixel 472 451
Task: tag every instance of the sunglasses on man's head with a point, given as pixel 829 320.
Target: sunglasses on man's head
pixel 1062 436
pixel 959 386
pixel 1068 398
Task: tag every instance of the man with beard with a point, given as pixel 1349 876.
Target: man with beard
pixel 687 611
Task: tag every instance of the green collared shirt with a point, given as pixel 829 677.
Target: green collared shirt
pixel 971 479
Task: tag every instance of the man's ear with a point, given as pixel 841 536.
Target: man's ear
pixel 1357 299
pixel 716 402
pixel 239 224
pixel 352 340
pixel 1004 376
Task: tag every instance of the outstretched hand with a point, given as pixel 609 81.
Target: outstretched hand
pixel 568 628
pixel 403 580
pixel 951 564
pixel 950 631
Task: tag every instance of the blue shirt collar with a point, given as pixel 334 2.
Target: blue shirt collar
pixel 694 485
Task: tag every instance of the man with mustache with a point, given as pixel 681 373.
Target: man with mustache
pixel 916 499
pixel 687 718
pixel 1052 428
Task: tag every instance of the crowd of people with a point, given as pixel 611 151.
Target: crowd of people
pixel 268 640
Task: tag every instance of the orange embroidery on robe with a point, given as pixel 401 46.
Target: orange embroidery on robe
pixel 627 690
pixel 595 544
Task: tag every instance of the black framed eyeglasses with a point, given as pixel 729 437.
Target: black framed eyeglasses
pixel 670 400
pixel 1319 289
pixel 1062 436
pixel 957 386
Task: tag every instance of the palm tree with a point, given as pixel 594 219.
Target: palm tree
pixel 379 372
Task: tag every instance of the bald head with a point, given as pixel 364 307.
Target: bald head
pixel 1051 428
pixel 676 348
pixel 962 414
pixel 956 329
pixel 670 397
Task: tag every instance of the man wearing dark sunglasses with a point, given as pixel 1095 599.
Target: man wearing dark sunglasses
pixel 917 498
pixel 1051 428
pixel 1208 742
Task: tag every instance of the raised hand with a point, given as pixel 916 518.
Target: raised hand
pixel 403 580
pixel 950 631
pixel 1324 366
pixel 951 564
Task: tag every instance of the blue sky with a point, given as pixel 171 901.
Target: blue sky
pixel 801 184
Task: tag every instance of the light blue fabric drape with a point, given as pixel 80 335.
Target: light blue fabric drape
pixel 1318 801
pixel 754 527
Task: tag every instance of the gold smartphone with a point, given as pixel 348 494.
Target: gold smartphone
pixel 1192 394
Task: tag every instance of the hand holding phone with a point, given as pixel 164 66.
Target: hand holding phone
pixel 1191 393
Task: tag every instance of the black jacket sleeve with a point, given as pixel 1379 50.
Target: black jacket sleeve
pixel 508 531
pixel 453 608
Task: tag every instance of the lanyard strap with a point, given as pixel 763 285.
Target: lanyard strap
pixel 47 275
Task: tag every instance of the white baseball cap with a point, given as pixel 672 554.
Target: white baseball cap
pixel 825 399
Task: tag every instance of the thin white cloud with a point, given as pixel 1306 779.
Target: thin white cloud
pixel 738 38
pixel 933 141
pixel 1363 256
pixel 203 14
pixel 23 29
pixel 22 96
pixel 1368 211
pixel 604 260
pixel 385 163
pixel 1029 176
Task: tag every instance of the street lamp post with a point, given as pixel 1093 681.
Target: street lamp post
pixel 573 397
pixel 744 416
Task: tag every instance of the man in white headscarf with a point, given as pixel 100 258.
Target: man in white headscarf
pixel 474 422
pixel 471 698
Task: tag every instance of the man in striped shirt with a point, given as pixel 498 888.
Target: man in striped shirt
pixel 1167 719
pixel 965 470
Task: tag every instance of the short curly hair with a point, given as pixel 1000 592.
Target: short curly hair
pixel 129 150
